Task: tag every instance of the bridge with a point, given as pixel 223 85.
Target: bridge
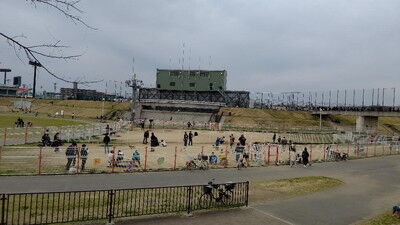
pixel 367 117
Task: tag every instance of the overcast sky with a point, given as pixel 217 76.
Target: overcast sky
pixel 264 45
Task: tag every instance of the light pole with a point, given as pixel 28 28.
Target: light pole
pixel 320 119
pixel 5 74
pixel 102 109
pixel 35 64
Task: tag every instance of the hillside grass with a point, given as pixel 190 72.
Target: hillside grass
pixel 9 121
pixel 267 117
pixel 270 190
pixel 81 108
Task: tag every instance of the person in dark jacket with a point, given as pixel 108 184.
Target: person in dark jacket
pixel 106 142
pixel 190 138
pixel 70 152
pixel 153 140
pixel 145 136
pixel 84 155
pixel 304 156
pixel 242 140
pixel 185 139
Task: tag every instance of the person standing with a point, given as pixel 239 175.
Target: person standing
pixel 190 138
pixel 279 140
pixel 70 152
pixel 292 155
pixel 274 138
pixel 84 155
pixel 305 156
pixel 145 136
pixel 185 139
pixel 231 140
pixel 242 140
pixel 106 142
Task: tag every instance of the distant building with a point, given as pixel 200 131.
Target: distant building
pixel 84 94
pixel 191 80
pixel 8 91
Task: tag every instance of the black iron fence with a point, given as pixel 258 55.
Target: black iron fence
pixel 60 207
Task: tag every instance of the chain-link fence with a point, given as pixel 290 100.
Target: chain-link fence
pixel 116 159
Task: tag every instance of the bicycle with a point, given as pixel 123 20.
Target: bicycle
pixel 223 196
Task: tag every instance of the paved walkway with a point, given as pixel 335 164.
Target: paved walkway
pixel 371 187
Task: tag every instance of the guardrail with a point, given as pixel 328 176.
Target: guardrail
pixel 77 206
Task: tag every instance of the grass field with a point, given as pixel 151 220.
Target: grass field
pixel 9 121
pixel 81 108
pixel 264 191
pixel 266 117
pixel 384 219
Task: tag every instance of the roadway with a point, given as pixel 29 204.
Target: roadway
pixel 371 186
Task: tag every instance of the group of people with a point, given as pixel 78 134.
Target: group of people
pixel 296 158
pixel 153 140
pixel 117 160
pixel 20 123
pixel 281 141
pixel 56 143
pixel 188 138
pixel 72 152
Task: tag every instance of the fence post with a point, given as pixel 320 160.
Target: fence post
pixel 310 161
pixel 277 155
pixel 189 200
pixel 366 151
pixel 247 193
pixel 176 149
pixel 5 136
pixel 268 153
pixel 78 154
pixel 110 206
pixel 383 149
pixel 1 149
pixel 3 209
pixel 26 134
pixel 113 161
pixel 375 149
pixel 145 159
pixel 40 161
pixel 324 150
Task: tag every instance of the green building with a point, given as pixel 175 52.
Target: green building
pixel 191 80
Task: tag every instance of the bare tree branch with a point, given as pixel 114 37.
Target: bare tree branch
pixel 65 7
pixel 70 10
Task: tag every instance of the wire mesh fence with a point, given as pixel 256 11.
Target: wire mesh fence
pixel 95 159
pixel 24 135
pixel 61 207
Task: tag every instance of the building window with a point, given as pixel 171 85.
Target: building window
pixel 193 73
pixel 211 86
pixel 192 84
pixel 203 74
pixel 220 87
pixel 158 86
pixel 172 84
pixel 174 73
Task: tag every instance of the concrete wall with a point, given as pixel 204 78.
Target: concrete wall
pixel 368 124
pixel 178 118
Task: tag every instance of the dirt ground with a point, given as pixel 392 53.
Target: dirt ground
pixel 26 160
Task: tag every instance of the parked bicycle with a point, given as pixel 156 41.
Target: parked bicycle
pixel 222 194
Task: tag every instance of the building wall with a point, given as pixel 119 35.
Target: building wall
pixel 183 80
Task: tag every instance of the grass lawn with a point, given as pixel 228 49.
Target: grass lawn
pixel 262 191
pixel 9 121
pixel 383 219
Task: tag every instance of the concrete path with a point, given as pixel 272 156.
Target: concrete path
pixel 371 187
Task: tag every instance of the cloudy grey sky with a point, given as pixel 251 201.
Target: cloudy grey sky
pixel 264 45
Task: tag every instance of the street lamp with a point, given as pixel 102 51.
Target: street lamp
pixel 35 64
pixel 320 119
pixel 102 109
pixel 5 74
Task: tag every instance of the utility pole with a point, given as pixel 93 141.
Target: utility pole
pixel 394 97
pixel 383 96
pixel 5 74
pixel 363 97
pixel 345 97
pixel 354 97
pixel 330 96
pixel 337 98
pixel 35 64
pixel 373 95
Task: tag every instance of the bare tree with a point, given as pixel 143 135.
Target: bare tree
pixel 69 9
